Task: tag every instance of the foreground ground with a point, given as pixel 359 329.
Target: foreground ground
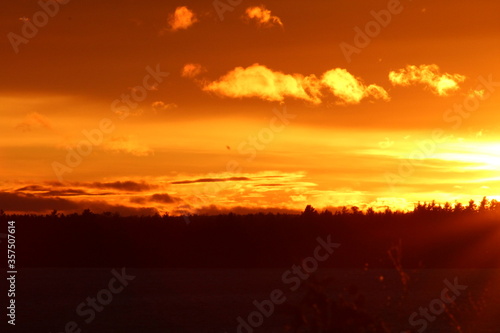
pixel 211 300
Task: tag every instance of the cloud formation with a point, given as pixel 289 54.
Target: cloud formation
pixel 262 17
pixel 210 180
pixel 264 83
pixel 85 188
pixel 429 76
pixel 260 81
pixel 192 70
pixel 162 198
pixel 76 196
pixel 242 210
pixel 121 185
pixel 127 145
pixel 181 19
pixel 162 106
pixel 12 202
pixel 35 120
pixel 48 192
pixel 349 89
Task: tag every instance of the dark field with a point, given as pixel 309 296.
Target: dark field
pixel 208 300
pixel 431 270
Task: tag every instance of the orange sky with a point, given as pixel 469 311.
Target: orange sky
pixel 144 106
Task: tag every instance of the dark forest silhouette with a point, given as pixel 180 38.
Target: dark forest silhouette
pixel 460 235
pixel 404 243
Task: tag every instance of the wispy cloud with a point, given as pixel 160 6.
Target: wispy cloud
pixel 216 210
pixel 476 93
pixel 35 120
pixel 86 188
pixel 120 185
pixel 429 76
pixel 128 145
pixel 44 191
pixel 192 70
pixel 162 198
pixel 162 106
pixel 20 201
pixel 75 196
pixel 262 16
pixel 181 19
pixel 210 180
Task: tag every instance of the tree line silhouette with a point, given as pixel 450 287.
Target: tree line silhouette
pixel 432 235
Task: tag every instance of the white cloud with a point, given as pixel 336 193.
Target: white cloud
pixel 350 89
pixel 261 82
pixel 429 76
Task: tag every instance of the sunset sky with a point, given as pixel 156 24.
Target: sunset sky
pixel 204 107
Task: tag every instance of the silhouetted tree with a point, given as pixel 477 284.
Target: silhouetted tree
pixel 327 213
pixel 483 206
pixel 494 206
pixel 309 211
pixel 458 208
pixel 471 208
